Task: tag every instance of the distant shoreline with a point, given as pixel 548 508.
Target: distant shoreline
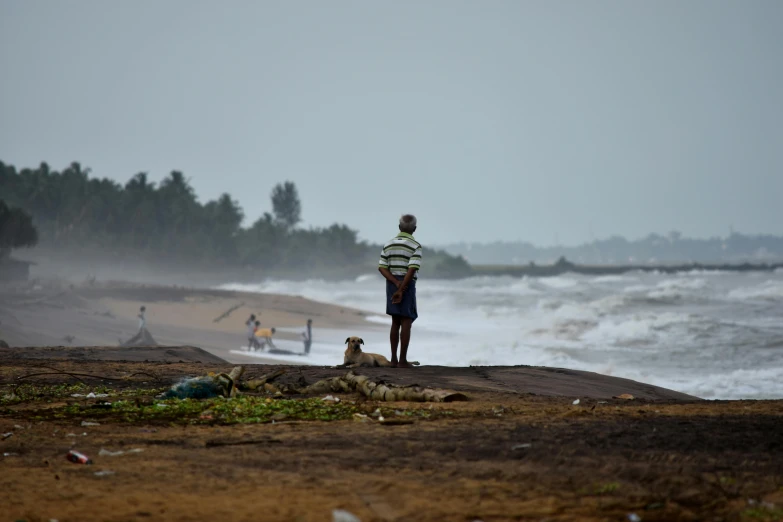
pixel 563 266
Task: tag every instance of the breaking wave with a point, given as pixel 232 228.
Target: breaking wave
pixel 714 335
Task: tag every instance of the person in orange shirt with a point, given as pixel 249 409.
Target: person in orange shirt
pixel 263 336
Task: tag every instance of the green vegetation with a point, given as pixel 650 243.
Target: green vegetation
pixel 137 407
pixel 765 513
pixel 605 489
pixel 141 406
pixel 165 224
pixel 239 410
pixel 16 229
pixel 48 393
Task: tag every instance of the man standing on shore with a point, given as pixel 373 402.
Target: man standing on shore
pixel 399 264
pixel 142 318
pixel 307 336
pixel 251 329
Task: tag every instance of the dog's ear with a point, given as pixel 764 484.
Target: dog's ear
pixel 347 339
pixel 361 341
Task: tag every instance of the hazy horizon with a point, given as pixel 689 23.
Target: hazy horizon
pixel 503 121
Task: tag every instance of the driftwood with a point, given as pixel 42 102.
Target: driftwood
pixel 373 390
pixel 259 382
pixel 227 312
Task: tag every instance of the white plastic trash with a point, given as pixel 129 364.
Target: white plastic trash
pixel 340 515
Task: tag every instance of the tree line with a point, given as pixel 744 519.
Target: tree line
pixel 72 210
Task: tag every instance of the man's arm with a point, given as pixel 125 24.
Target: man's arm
pixel 413 266
pixel 407 279
pixel 397 297
pixel 389 276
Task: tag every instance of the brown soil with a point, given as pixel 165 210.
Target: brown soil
pixel 664 458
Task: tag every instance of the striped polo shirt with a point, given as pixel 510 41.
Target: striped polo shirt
pixel 401 253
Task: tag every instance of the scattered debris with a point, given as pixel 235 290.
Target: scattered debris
pixel 360 417
pixel 6 435
pixel 107 453
pixel 526 445
pixel 378 391
pixel 206 387
pixel 395 422
pixel 259 382
pixel 626 396
pixel 92 395
pixel 340 515
pixel 227 312
pixel 633 517
pixel 575 402
pixel 103 473
pixel 10 454
pixel 18 427
pixel 90 423
pixel 78 458
pixel 330 398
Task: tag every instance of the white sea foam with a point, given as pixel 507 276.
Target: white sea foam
pixel 711 335
pixel 770 290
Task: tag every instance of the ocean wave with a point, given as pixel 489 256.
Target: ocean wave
pixel 714 337
pixel 558 282
pixel 613 279
pixel 768 291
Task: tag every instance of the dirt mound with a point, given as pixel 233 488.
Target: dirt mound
pixel 535 380
pixel 189 354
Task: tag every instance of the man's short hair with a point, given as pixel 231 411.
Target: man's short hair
pixel 408 223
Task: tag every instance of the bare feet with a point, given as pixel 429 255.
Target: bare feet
pixel 404 364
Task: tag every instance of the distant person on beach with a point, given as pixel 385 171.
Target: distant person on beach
pixel 307 336
pixel 263 336
pixel 142 319
pixel 251 327
pixel 399 264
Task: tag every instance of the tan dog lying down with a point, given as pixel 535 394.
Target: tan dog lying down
pixel 355 357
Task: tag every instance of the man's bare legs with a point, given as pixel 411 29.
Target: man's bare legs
pixel 405 338
pixel 394 337
pixel 400 334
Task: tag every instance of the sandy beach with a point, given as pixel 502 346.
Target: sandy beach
pixel 48 313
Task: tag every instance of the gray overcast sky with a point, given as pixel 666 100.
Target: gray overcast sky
pixel 488 119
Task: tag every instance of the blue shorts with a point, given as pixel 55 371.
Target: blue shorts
pixel 406 307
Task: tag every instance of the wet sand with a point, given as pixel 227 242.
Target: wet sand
pixel 101 314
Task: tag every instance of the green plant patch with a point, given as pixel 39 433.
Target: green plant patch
pixel 769 514
pixel 239 410
pixel 29 392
